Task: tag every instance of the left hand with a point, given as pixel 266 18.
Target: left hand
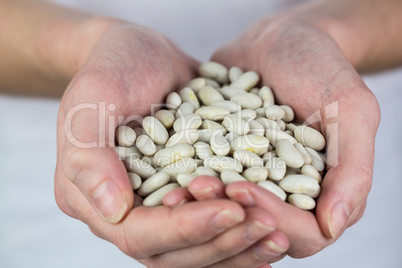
pixel 306 70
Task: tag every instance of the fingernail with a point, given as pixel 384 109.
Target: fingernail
pixel 256 230
pixel 182 202
pixel 338 218
pixel 207 193
pixel 109 202
pixel 242 195
pixel 267 249
pixel 225 219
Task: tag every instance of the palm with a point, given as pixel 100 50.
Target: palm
pixel 130 69
pixel 306 70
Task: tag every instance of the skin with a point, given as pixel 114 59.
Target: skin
pixel 309 66
pixel 115 62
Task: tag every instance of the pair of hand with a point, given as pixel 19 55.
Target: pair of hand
pixel 241 225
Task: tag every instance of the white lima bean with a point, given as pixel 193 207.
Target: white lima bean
pixel 306 156
pixel 234 73
pixel 139 167
pixel 276 168
pixel 213 126
pixel 202 150
pixel 186 165
pixel 169 155
pixel 228 92
pixel 274 112
pixel 196 84
pixel 204 171
pixel 247 100
pixel 173 100
pixel 302 201
pixel 230 105
pixel 155 130
pixel 222 125
pixel 255 174
pixel 187 136
pixel 253 143
pixel 229 176
pixel 254 91
pixel 248 159
pixel 231 136
pixel 166 118
pixel 220 163
pixel 249 113
pixel 188 95
pixel 300 184
pixel 185 179
pixel 220 145
pixel 214 71
pixel 267 96
pixel 135 180
pixel 316 160
pixel 188 121
pixel 234 123
pixel 310 137
pixel 125 136
pixel 153 183
pixel 289 153
pixel 255 127
pixel 273 188
pixel 268 124
pixel 246 81
pixel 276 134
pixel 146 145
pixel 289 113
pixel 185 108
pixel 128 152
pixel 156 198
pixel 212 113
pixel 208 95
pixel 309 170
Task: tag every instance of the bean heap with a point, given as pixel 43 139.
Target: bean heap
pixel 234 132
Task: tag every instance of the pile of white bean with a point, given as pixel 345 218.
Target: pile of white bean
pixel 234 132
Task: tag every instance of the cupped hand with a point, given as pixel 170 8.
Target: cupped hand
pixel 130 68
pixel 306 69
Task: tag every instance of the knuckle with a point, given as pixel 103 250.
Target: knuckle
pixel 73 161
pixel 222 252
pixel 130 246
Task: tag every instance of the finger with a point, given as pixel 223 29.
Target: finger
pixel 257 225
pixel 269 250
pixel 201 188
pixel 151 231
pixel 351 153
pixel 298 225
pixel 206 188
pixel 177 197
pixel 106 187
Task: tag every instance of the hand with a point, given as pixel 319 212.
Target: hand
pixel 131 68
pixel 306 70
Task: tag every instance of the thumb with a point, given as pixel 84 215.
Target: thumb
pixel 93 166
pixel 347 184
pixel 101 177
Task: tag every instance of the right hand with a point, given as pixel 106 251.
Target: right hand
pixel 130 68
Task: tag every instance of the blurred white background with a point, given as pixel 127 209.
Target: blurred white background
pixel 35 233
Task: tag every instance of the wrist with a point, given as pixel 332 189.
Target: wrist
pixel 65 47
pixel 321 16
